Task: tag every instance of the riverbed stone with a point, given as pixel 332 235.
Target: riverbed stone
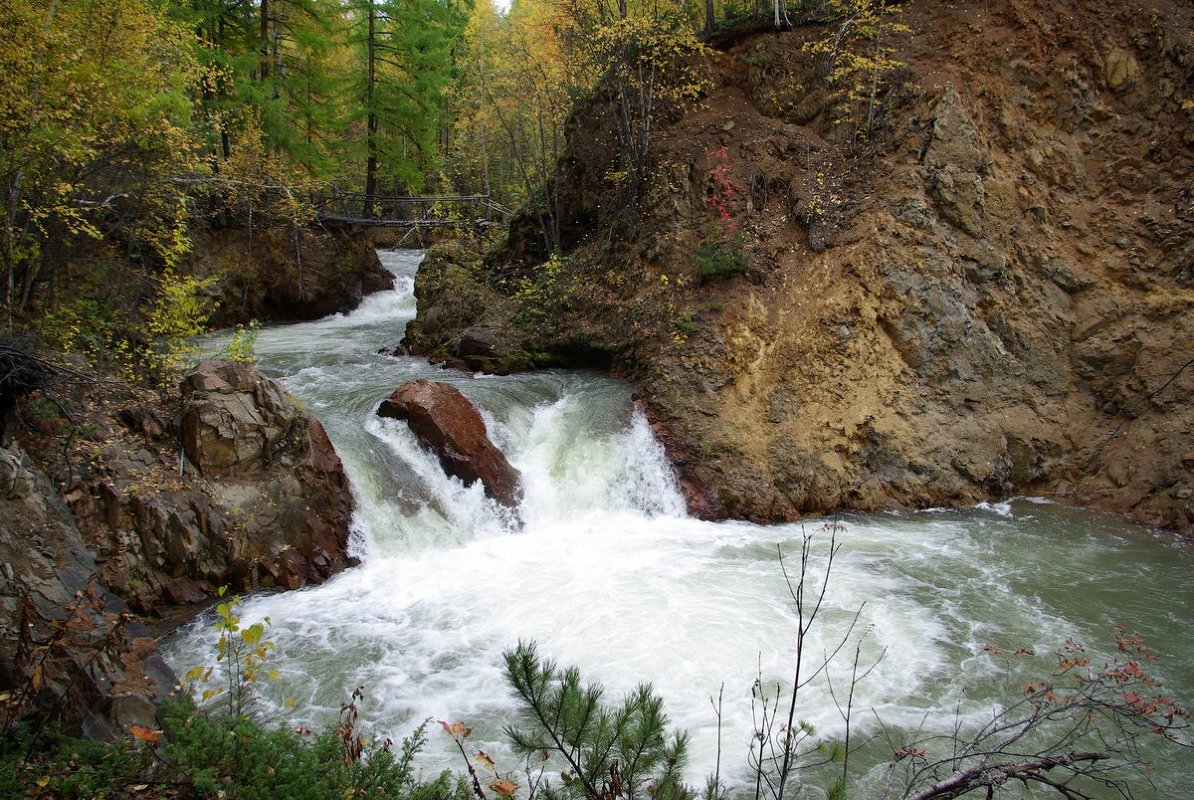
pixel 445 421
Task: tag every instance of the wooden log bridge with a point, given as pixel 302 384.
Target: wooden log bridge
pixel 450 211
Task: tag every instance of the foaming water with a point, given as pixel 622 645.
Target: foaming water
pixel 603 570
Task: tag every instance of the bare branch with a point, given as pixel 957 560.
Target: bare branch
pixel 986 775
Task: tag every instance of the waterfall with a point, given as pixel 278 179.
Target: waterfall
pixel 605 571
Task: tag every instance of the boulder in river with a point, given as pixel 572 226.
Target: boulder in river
pixel 444 420
pixel 272 466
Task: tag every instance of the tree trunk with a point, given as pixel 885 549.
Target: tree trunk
pixel 371 122
pixel 12 198
pixel 225 137
pixel 264 67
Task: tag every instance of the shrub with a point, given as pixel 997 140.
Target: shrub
pixel 723 251
pixel 242 760
pixel 242 347
pixel 49 764
pixel 550 288
pixel 686 323
pixel 721 256
pixel 178 314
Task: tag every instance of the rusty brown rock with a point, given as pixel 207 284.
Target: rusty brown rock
pixel 260 498
pixel 279 272
pixel 995 298
pixel 444 420
pixel 104 673
pixel 280 498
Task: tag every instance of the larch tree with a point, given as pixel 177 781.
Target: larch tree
pixel 522 73
pixel 271 61
pixel 512 97
pixel 647 53
pixel 405 65
pixel 474 156
pixel 857 55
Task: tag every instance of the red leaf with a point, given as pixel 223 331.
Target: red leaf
pixel 146 734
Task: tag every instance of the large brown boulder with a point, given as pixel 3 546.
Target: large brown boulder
pixel 237 422
pixel 273 476
pixel 257 498
pixel 444 420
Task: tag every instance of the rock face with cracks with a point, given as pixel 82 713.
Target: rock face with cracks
pixel 989 293
pixel 271 464
pixel 240 488
pixel 445 421
pixel 151 508
pixel 82 656
pixel 284 272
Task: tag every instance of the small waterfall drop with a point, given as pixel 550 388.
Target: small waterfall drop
pixel 606 572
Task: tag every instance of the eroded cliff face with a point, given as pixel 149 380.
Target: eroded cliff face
pixel 119 508
pixel 992 297
pixel 69 648
pixel 279 272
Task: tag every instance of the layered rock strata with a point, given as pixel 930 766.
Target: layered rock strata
pixel 990 292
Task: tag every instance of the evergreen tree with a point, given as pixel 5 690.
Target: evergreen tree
pixel 405 64
pixel 273 62
pixel 610 752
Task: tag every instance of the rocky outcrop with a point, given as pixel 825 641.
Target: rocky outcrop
pixel 241 488
pixel 151 508
pixel 992 295
pixel 236 422
pixel 271 467
pixel 69 649
pixel 445 421
pixel 283 272
pixel 461 319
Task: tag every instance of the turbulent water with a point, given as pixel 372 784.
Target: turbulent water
pixel 606 572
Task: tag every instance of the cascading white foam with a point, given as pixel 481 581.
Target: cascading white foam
pixel 603 570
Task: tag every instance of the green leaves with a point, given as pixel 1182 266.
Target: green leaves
pixel 243 651
pixel 94 104
pixel 403 64
pixel 242 347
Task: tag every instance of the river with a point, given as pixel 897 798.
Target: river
pixel 607 573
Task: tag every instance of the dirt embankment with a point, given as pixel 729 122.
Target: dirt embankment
pixel 991 297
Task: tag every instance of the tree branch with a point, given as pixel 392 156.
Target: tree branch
pixel 984 775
